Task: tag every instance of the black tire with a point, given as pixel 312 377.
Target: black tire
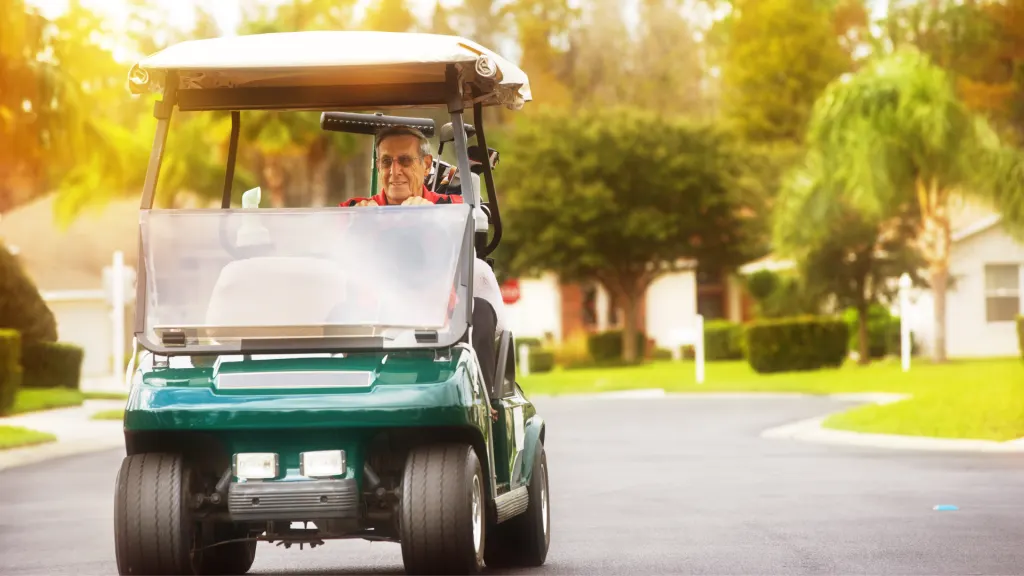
pixel 523 541
pixel 443 518
pixel 153 533
pixel 231 558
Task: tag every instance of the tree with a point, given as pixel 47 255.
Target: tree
pixel 621 196
pixel 542 29
pixel 389 16
pixel 780 55
pixel 440 21
pixel 896 133
pixel 840 252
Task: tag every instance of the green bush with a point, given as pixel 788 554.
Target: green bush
pixel 52 365
pixel 1020 334
pixel 881 325
pixel 606 347
pixel 10 369
pixel 541 360
pixel 800 343
pixel 723 340
pixel 530 342
pixel 21 306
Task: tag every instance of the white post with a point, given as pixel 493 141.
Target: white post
pixel 117 280
pixel 698 348
pixel 524 360
pixel 905 343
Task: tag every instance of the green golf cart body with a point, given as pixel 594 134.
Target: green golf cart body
pixel 308 374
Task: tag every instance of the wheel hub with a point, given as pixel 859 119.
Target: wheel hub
pixel 544 498
pixel 478 516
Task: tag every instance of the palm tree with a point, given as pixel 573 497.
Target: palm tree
pixel 895 134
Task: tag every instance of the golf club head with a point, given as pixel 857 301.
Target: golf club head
pixel 447 133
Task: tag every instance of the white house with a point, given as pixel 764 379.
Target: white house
pixel 552 310
pixel 985 295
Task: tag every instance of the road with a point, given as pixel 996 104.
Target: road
pixel 665 486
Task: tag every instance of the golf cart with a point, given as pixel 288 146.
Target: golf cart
pixel 308 374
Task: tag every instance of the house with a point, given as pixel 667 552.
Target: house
pixel 985 293
pixel 986 268
pixel 557 311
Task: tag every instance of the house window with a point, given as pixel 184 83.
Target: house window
pixel 1002 292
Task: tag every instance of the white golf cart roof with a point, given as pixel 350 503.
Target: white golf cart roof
pixel 379 69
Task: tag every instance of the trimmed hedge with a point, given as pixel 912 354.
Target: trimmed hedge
pixel 10 369
pixel 606 347
pixel 1020 334
pixel 800 343
pixel 541 360
pixel 723 340
pixel 52 365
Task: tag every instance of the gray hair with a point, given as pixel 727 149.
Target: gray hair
pixel 404 131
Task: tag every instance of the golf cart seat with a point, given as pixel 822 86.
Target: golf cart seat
pixel 291 291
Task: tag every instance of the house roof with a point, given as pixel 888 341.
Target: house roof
pixel 968 219
pixel 71 259
pixel 976 227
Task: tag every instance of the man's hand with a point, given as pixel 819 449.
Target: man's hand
pixel 415 201
pixel 370 202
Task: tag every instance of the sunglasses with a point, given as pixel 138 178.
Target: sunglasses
pixel 404 161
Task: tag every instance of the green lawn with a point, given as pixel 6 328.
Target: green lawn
pixel 36 399
pixel 105 395
pixel 17 437
pixel 116 414
pixel 962 399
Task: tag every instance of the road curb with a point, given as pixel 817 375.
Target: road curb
pixel 813 430
pixel 16 457
pixel 76 433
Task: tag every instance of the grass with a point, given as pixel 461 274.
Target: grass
pixel 116 414
pixel 105 395
pixel 981 399
pixel 17 437
pixel 38 399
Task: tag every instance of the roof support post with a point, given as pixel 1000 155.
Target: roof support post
pixel 455 108
pixel 162 110
pixel 229 176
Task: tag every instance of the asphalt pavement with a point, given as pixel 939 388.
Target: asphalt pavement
pixel 640 486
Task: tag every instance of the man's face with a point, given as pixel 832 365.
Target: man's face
pixel 402 169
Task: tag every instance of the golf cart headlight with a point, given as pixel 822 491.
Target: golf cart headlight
pixel 322 464
pixel 256 466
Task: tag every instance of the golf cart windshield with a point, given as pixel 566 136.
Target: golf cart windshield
pixel 313 279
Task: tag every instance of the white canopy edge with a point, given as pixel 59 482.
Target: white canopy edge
pixel 331 58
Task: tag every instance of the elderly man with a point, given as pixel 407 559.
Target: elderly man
pixel 403 160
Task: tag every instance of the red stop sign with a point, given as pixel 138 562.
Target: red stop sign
pixel 510 291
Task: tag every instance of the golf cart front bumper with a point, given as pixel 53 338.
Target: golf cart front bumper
pixel 295 500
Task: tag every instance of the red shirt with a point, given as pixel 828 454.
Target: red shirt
pixel 430 196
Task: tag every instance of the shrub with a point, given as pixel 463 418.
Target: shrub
pixel 661 354
pixel 801 343
pixel 530 342
pixel 541 360
pixel 52 365
pixel 722 340
pixel 1020 334
pixel 10 369
pixel 606 347
pixel 21 306
pixel 572 352
pixel 881 327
